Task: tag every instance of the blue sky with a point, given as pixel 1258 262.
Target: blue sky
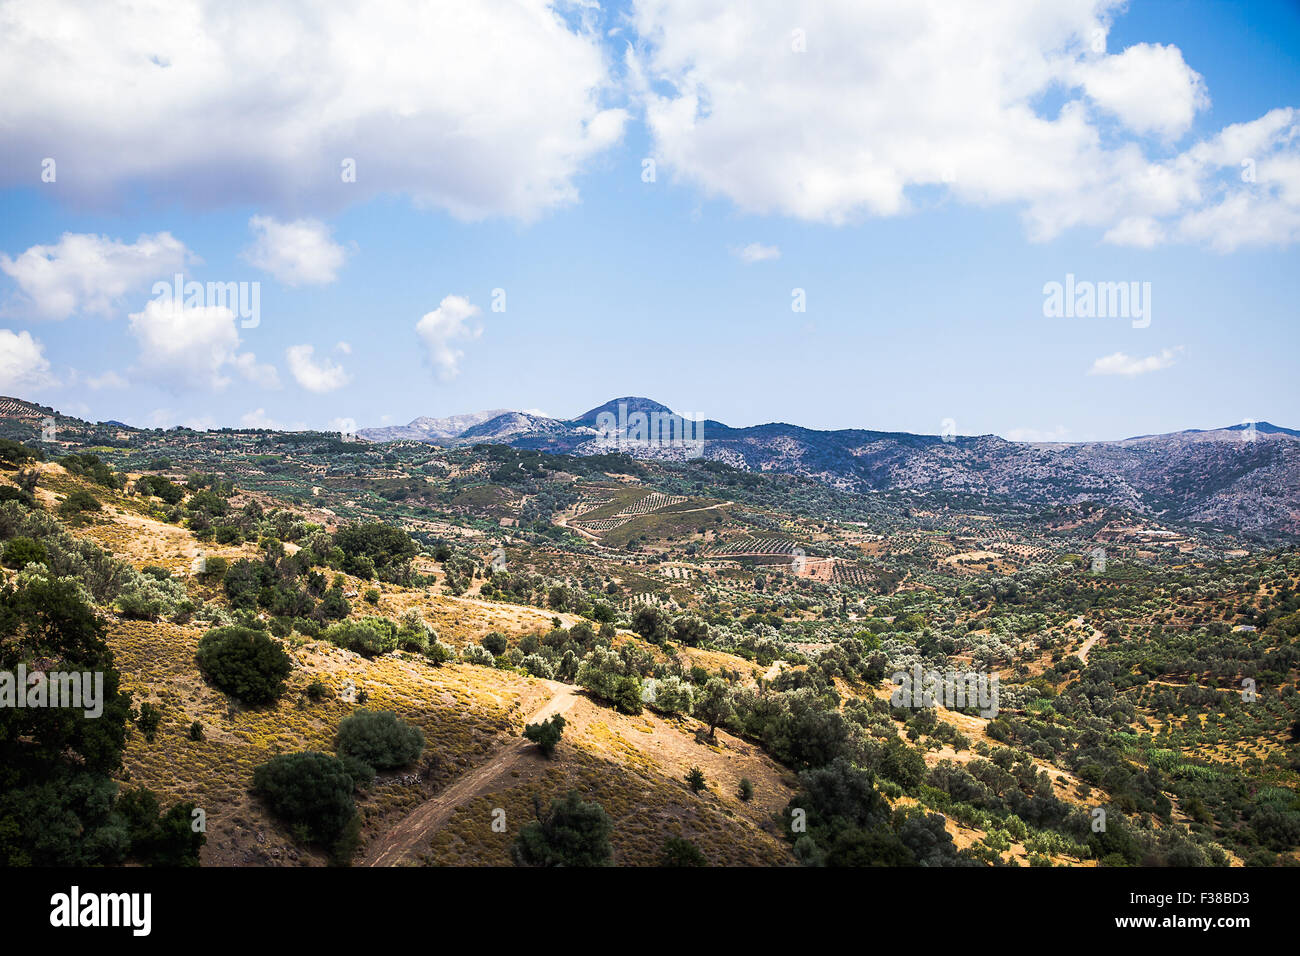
pixel 924 291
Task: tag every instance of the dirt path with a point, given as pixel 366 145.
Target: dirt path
pixel 1087 645
pixel 414 831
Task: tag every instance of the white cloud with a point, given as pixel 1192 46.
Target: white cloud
pixel 256 372
pixel 1120 363
pixel 257 419
pixel 444 325
pixel 185 347
pixel 344 347
pixel 23 364
pixel 1149 87
pixel 1141 231
pixel 890 97
pixel 757 252
pixel 480 108
pixel 297 253
pixel 320 377
pixel 109 379
pixel 86 273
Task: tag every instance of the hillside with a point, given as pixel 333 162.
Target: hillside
pixel 679 616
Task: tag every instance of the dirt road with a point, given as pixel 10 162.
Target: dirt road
pixel 414 832
pixel 1087 645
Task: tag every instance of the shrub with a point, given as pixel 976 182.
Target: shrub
pixel 440 653
pixel 546 734
pixel 20 552
pixel 571 833
pixel 150 596
pixel 495 643
pixel 478 654
pixel 679 852
pixel 380 739
pixel 228 534
pixel 746 791
pixel 673 696
pixel 695 780
pixel 311 791
pixel 77 502
pixel 369 635
pixel 371 596
pixel 247 664
pixel 149 720
pixel 214 568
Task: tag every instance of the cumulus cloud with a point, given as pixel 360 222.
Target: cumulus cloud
pixel 315 376
pixel 23 364
pixel 842 112
pixel 443 326
pixel 757 252
pixel 192 346
pixel 86 273
pixel 1120 363
pixel 297 253
pixel 1149 87
pixel 480 109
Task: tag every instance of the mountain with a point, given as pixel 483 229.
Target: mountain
pixel 1226 477
pixel 436 431
pixel 509 425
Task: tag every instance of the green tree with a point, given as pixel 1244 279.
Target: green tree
pixel 546 734
pixel 695 780
pixel 380 738
pixel 571 833
pixel 680 852
pixel 713 705
pixel 245 663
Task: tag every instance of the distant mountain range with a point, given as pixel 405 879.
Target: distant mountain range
pixel 1237 477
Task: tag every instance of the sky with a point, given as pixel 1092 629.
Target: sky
pixel 835 214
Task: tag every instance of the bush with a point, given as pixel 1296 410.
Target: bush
pixel 571 833
pixel 90 466
pixel 371 596
pixel 20 552
pixel 546 734
pixel 247 664
pixel 149 720
pixel 369 635
pixel 478 654
pixel 679 852
pixel 673 696
pixel 440 653
pixel 152 596
pixel 695 780
pixel 746 791
pixel 311 791
pixel 495 643
pixel 77 502
pixel 380 739
pixel 214 568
